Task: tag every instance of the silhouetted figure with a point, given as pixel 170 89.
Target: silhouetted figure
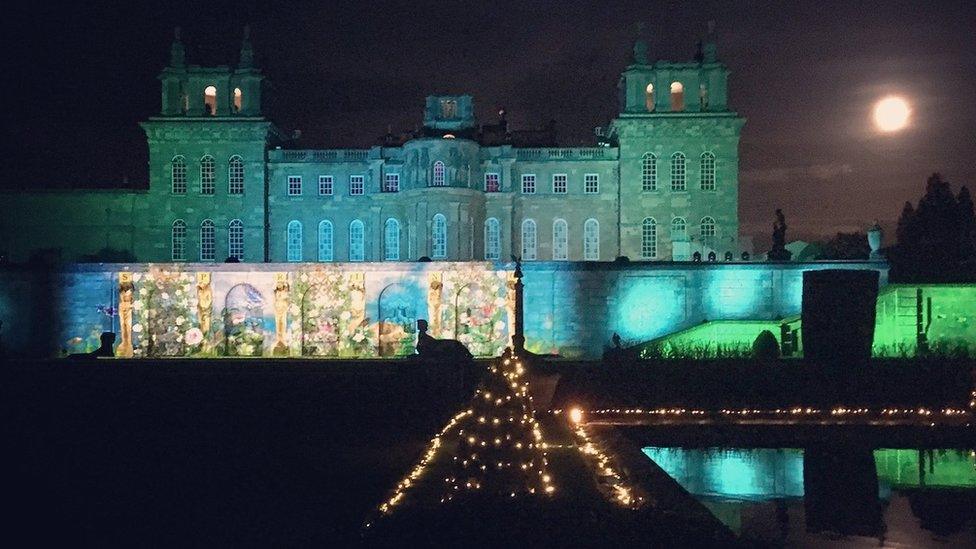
pixel 104 350
pixel 616 340
pixel 779 251
pixel 449 350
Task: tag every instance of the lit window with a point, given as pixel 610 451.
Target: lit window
pixel 648 172
pixel 591 240
pixel 210 100
pixel 325 185
pixel 677 96
pixel 208 251
pixel 178 250
pixel 179 175
pixel 325 240
pixel 357 185
pixel 649 97
pixel 708 232
pixel 492 183
pixel 207 171
pixel 438 179
pixel 493 239
pixel 391 183
pixel 294 240
pixel 707 171
pixel 439 237
pixel 591 183
pixel 294 185
pixel 238 99
pixel 357 241
pixel 235 175
pixel 648 238
pixel 678 172
pixel 391 240
pixel 235 239
pixel 559 183
pixel 448 108
pixel 529 240
pixel 560 240
pixel 528 184
pixel 679 229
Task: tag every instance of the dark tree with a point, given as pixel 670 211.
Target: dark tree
pixel 846 246
pixel 935 240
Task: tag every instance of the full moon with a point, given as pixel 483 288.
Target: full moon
pixel 891 114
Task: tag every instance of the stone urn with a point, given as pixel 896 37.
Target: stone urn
pixel 875 236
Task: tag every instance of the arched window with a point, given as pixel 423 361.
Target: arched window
pixel 438 237
pixel 238 99
pixel 560 240
pixel 357 241
pixel 708 232
pixel 679 229
pixel 648 238
pixel 591 240
pixel 391 240
pixel 438 179
pixel 210 100
pixel 208 248
pixel 178 249
pixel 677 96
pixel 294 240
pixel 529 240
pixel 649 97
pixel 207 178
pixel 235 175
pixel 178 175
pixel 235 239
pixel 678 172
pixel 325 241
pixel 707 173
pixel 648 172
pixel 493 239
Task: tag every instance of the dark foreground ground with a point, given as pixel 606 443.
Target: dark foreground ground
pixel 215 454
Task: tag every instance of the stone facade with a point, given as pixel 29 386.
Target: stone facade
pixel 660 183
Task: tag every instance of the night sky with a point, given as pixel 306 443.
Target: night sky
pixel 80 77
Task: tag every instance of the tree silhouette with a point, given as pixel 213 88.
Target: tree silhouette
pixel 935 240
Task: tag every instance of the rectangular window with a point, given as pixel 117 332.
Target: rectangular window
pixel 357 185
pixel 591 183
pixel 559 183
pixel 528 184
pixel 294 185
pixel 325 185
pixel 391 183
pixel 235 176
pixel 207 176
pixel 493 183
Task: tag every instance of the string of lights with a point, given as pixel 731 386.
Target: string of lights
pixel 618 491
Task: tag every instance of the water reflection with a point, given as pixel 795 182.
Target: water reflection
pixel 830 495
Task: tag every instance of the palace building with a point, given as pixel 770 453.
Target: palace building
pixel 659 183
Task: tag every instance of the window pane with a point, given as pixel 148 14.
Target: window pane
pixel 294 241
pixel 294 185
pixel 439 237
pixel 325 185
pixel 357 241
pixel 591 240
pixel 325 241
pixel 235 239
pixel 179 175
pixel 493 239
pixel 391 240
pixel 235 176
pixel 528 240
pixel 207 175
pixel 207 245
pixel 560 240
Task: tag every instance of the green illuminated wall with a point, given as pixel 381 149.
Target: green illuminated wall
pixel 899 468
pixel 953 315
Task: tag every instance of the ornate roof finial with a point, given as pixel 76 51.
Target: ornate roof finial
pixel 247 53
pixel 177 53
pixel 708 46
pixel 640 46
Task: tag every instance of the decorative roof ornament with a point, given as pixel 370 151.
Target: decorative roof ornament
pixel 640 47
pixel 247 52
pixel 177 53
pixel 708 53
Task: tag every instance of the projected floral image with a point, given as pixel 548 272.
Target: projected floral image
pixel 321 311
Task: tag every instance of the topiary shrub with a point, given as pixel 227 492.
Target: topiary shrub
pixel 765 347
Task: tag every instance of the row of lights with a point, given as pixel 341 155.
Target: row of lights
pixel 620 492
pixel 839 411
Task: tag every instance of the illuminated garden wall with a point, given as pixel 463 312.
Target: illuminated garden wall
pixel 953 316
pixel 370 309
